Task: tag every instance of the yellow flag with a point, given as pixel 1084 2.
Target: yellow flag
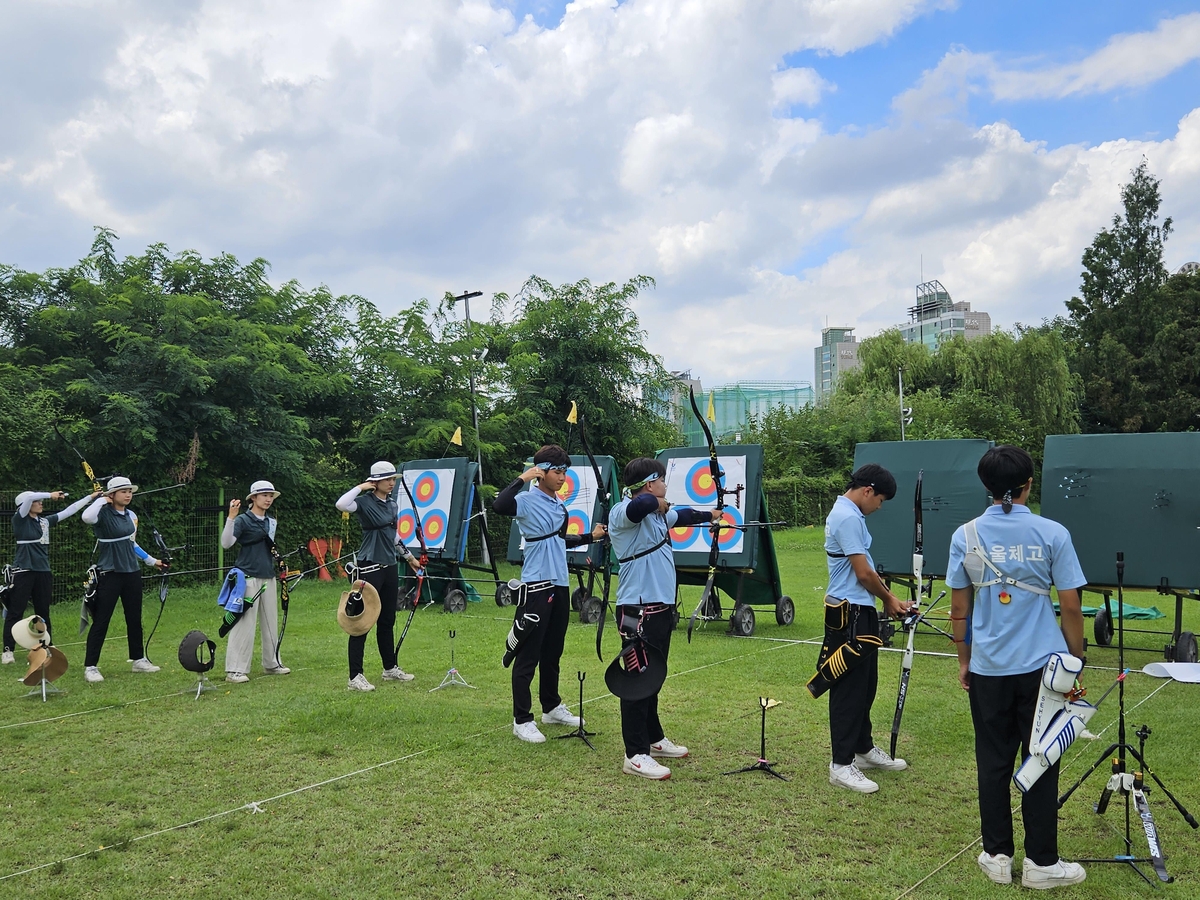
pixel 712 412
pixel 456 438
pixel 573 415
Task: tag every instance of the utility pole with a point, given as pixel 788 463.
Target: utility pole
pixel 905 412
pixel 466 297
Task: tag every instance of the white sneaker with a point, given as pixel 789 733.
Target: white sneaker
pixel 647 767
pixel 236 677
pixel 669 749
pixel 560 715
pixel 528 732
pixel 395 673
pixel 92 675
pixel 1042 878
pixel 144 665
pixel 7 658
pixel 277 670
pixel 998 868
pixel 851 777
pixel 359 683
pixel 879 759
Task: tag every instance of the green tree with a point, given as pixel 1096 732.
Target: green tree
pixel 163 367
pixel 1118 317
pixel 579 342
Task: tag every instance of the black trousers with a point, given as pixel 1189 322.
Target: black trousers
pixel 851 696
pixel 543 649
pixel 386 581
pixel 27 585
pixel 127 586
pixel 1002 708
pixel 640 725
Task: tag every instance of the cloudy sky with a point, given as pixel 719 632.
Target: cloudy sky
pixel 773 165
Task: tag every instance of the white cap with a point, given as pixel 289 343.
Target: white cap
pixel 263 487
pixel 117 483
pixel 382 470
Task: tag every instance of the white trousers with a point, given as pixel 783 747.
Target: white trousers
pixel 240 646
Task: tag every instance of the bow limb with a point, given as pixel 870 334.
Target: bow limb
pixel 87 468
pixel 164 583
pixel 422 561
pixel 919 539
pixel 604 495
pixel 714 549
pixel 285 596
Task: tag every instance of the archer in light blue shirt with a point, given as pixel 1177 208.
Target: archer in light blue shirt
pixel 846 535
pixel 542 518
pixel 638 529
pixel 1014 631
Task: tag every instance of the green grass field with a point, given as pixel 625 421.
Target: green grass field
pixel 293 787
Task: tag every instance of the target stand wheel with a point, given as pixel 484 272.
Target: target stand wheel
pixel 1102 628
pixel 455 601
pixel 742 621
pixel 504 595
pixel 578 596
pixel 1185 647
pixel 785 610
pixel 589 610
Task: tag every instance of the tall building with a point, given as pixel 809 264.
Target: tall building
pixel 936 318
pixel 838 353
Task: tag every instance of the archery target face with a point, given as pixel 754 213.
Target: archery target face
pixel 433 490
pixel 578 495
pixel 690 483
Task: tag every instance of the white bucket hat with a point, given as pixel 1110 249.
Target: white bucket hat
pixel 382 470
pixel 118 482
pixel 262 487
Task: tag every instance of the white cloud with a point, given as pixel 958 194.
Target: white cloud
pixel 397 150
pixel 797 86
pixel 1126 61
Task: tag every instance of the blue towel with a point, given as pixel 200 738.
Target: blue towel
pixel 233 591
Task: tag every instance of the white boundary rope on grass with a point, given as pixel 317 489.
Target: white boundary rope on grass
pixel 1065 766
pixel 255 806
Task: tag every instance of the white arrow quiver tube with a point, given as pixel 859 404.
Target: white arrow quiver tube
pixel 1057 721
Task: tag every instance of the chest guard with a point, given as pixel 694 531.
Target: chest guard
pixel 983 572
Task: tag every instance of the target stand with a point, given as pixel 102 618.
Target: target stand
pixel 44 672
pixel 580 732
pixel 763 765
pixel 453 676
pixel 203 686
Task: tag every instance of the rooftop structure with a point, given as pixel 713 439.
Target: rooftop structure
pixel 936 317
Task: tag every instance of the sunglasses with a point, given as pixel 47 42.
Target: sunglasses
pixel 546 467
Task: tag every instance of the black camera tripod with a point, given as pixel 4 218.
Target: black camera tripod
pixel 1130 784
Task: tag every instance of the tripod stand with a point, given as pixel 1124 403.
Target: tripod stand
pixel 762 765
pixel 1130 784
pixel 452 676
pixel 579 732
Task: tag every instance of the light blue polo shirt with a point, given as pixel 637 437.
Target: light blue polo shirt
pixel 846 533
pixel 540 513
pixel 1017 636
pixel 650 578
